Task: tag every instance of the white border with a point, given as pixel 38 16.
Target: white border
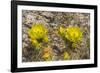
pixel 53 63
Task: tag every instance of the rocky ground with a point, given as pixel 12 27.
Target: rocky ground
pixel 52 20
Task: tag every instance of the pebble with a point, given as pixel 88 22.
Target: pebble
pixel 47 14
pixel 24 45
pixel 25 36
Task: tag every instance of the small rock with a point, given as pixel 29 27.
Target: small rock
pixel 24 45
pixel 47 14
pixel 25 36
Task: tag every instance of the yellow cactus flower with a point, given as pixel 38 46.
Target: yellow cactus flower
pixel 66 55
pixel 46 56
pixel 61 30
pixel 73 34
pixel 36 43
pixel 38 33
pixel 45 39
pixel 46 50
